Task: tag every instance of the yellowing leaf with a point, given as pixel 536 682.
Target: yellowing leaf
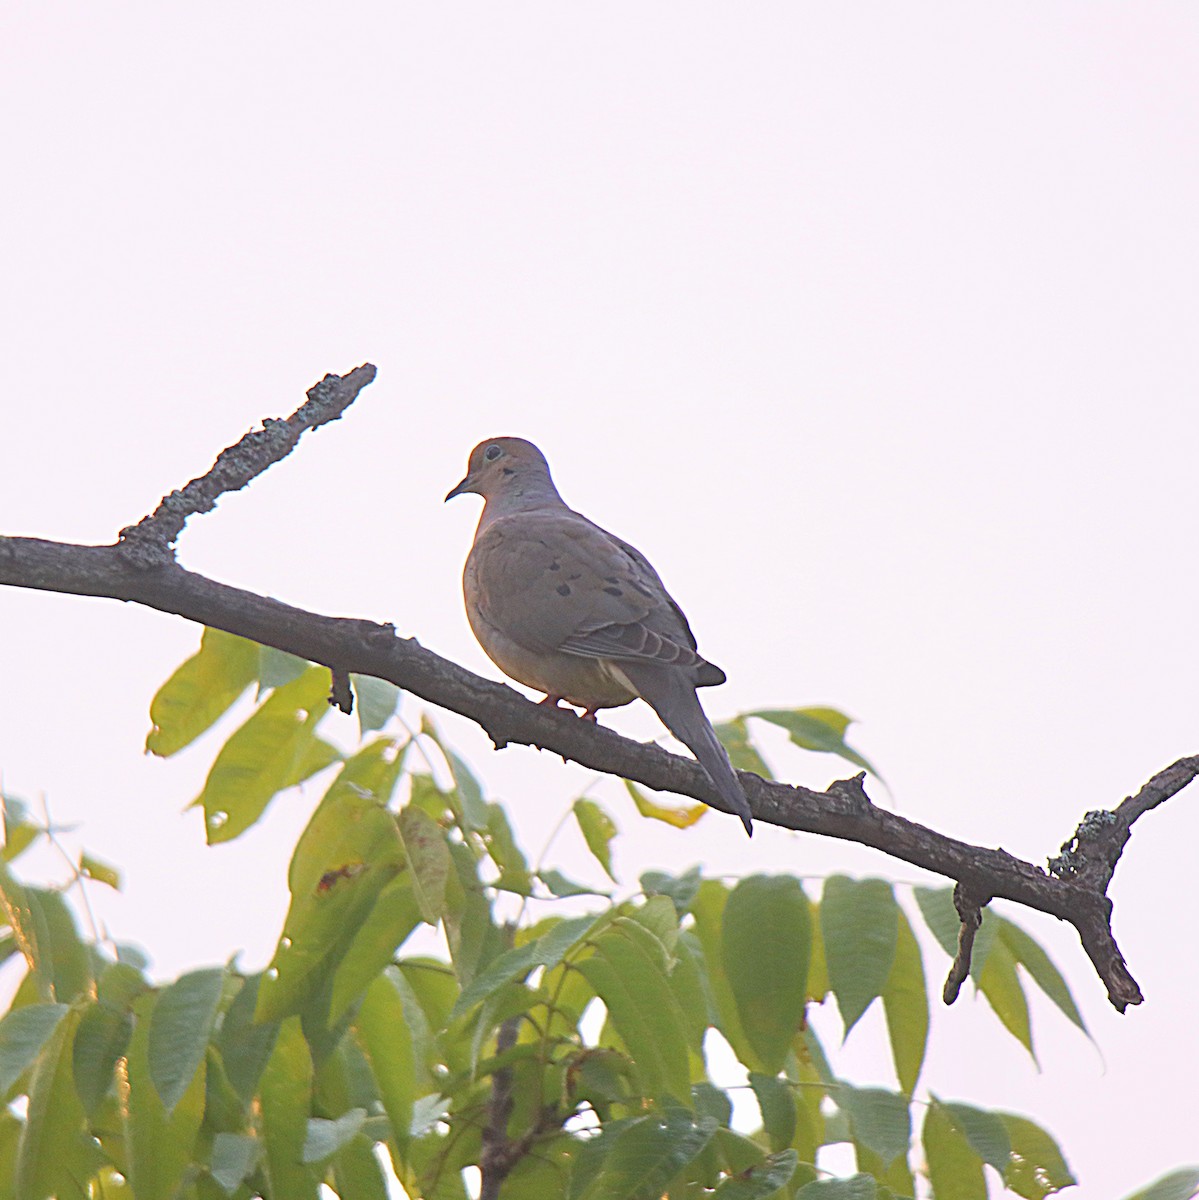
pixel 200 691
pixel 680 818
pixel 598 830
pixel 93 868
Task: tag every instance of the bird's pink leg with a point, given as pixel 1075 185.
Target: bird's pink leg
pixel 589 715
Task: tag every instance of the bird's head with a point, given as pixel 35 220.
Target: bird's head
pixel 504 466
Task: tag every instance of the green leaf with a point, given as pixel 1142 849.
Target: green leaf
pixel 708 911
pixel 682 889
pixel 689 984
pixel 545 951
pixel 428 860
pixel 738 1154
pixel 818 985
pixel 19 831
pixel 426 1112
pixel 600 1077
pixel 377 700
pixel 670 814
pixel 345 858
pixel 856 1187
pixel 59 953
pixel 560 886
pixel 324 1138
pixel 711 1101
pixel 820 729
pixel 1036 1167
pixel 506 854
pixel 954 1169
pixel 394 916
pixel 200 691
pixel 761 1180
pixel 648 1153
pixel 466 800
pixel 120 983
pixel 53 1154
pixel 23 1033
pixel 357 1174
pixel 626 969
pixel 276 748
pixel 598 830
pixel 179 1031
pixel 859 923
pixel 470 794
pixel 1001 985
pixel 1032 957
pixel 234 1156
pixel 159 1144
pixel 1178 1185
pixel 277 667
pixel 743 754
pixel 776 1102
pixel 765 945
pixel 473 936
pixel 659 916
pixel 101 872
pixel 905 1003
pixel 880 1120
pixel 102 1038
pixel 543 1174
pixel 245 1045
pixel 937 908
pixel 985 1131
pixel 383 1026
pixel 286 1098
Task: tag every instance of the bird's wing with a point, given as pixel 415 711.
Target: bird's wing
pixel 554 581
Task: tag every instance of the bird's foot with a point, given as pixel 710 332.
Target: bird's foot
pixel 589 715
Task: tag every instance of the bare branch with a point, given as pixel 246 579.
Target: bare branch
pixel 1075 891
pixel 150 542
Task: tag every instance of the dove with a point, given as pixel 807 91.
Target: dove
pixel 568 609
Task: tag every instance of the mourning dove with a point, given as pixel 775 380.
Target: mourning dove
pixel 565 607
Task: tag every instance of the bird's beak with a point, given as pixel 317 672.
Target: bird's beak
pixel 467 485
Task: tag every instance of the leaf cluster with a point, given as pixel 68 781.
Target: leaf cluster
pixel 568 1043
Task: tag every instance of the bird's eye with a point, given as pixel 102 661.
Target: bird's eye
pixel 492 453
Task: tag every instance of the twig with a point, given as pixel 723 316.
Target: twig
pixel 341 696
pixel 970 913
pixel 150 542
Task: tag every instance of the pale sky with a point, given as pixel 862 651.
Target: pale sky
pixel 873 325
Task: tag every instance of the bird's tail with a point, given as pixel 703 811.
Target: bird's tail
pixel 672 696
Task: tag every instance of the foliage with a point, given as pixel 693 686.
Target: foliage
pixel 352 1057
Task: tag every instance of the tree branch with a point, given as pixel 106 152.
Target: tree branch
pixel 1075 891
pixel 151 541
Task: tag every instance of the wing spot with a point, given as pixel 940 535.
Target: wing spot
pixel 555 566
pixel 563 589
pixel 613 591
pixel 575 575
pixel 640 587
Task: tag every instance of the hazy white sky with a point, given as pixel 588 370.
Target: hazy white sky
pixel 874 325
